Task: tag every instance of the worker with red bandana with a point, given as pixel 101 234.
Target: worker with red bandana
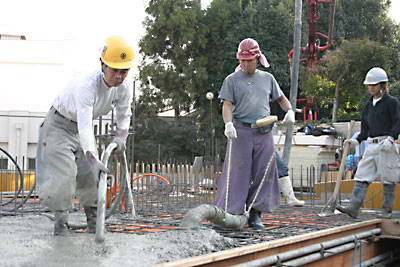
pixel 252 179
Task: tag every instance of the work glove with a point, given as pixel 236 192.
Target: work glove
pixel 352 142
pixel 96 165
pixel 120 140
pixel 386 144
pixel 230 131
pixel 289 118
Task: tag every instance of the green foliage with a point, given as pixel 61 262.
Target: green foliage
pixel 359 19
pixel 344 69
pixel 174 37
pixel 394 89
pixel 157 138
pixel 320 88
pixel 188 52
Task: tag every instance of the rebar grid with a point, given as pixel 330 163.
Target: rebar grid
pixel 162 194
pixel 285 222
pixel 184 190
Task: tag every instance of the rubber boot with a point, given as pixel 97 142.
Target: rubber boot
pixel 389 193
pixel 287 191
pixel 91 218
pixel 60 222
pixel 356 200
pixel 255 220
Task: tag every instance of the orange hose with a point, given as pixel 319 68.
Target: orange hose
pixel 150 174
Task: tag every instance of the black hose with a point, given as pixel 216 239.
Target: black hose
pixel 24 200
pixel 6 211
pixel 21 175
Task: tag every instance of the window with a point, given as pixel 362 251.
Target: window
pixel 3 163
pixel 31 163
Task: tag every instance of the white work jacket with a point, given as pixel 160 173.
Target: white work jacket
pixel 86 98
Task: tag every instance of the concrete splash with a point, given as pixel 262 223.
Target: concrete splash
pixel 29 241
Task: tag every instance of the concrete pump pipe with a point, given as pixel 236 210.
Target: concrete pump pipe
pixel 207 212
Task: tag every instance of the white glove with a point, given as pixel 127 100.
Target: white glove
pixel 352 142
pixel 386 144
pixel 96 165
pixel 289 118
pixel 120 140
pixel 230 131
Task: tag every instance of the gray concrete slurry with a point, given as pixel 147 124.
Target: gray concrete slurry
pixel 28 241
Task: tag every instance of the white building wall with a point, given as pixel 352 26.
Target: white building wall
pixel 19 131
pixel 31 74
pixel 18 135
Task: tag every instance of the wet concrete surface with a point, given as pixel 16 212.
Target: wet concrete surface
pixel 28 241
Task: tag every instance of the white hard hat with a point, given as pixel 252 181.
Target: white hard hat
pixel 375 75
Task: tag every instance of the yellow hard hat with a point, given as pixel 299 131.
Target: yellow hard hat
pixel 117 53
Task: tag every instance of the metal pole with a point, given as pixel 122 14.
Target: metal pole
pixel 294 78
pixel 132 138
pixel 159 154
pixel 331 22
pixel 210 97
pixel 212 133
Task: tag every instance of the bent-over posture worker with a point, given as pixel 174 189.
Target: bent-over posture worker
pixel 246 95
pixel 285 184
pixel 380 122
pixel 67 164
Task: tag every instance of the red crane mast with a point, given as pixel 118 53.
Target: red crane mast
pixel 313 48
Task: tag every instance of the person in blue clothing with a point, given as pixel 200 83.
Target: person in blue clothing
pixel 380 123
pixel 285 183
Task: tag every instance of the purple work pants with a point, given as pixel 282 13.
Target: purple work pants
pixel 251 152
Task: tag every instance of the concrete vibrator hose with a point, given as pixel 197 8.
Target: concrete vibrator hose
pixel 102 212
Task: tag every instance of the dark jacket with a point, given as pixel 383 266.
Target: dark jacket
pixel 381 119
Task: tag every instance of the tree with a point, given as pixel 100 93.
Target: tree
pixel 359 19
pixel 346 67
pixel 170 72
pixel 213 56
pixel 188 52
pixel 158 138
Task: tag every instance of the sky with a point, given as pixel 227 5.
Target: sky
pixel 77 27
pixel 85 24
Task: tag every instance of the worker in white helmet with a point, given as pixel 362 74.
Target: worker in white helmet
pixel 380 123
pixel 246 93
pixel 67 164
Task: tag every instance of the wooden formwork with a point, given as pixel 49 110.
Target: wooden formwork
pixel 370 248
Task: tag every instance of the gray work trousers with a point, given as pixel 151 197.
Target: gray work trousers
pixel 62 170
pixel 379 165
pixel 251 152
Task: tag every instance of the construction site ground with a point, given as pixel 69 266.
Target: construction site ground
pixel 151 238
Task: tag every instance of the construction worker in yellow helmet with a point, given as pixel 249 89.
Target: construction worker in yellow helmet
pixel 67 162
